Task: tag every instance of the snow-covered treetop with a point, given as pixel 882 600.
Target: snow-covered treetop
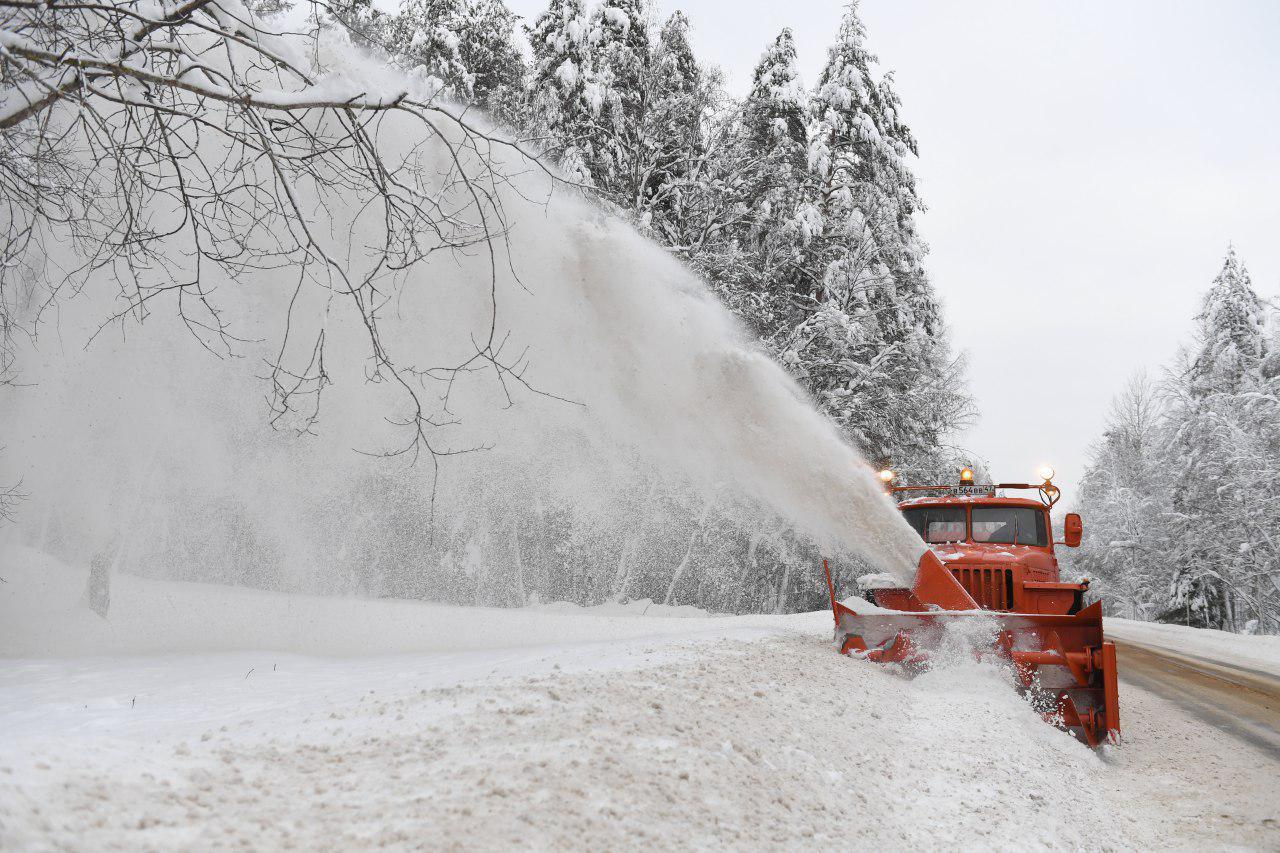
pixel 775 109
pixel 674 56
pixel 426 32
pixel 859 135
pixel 621 41
pixel 1231 331
pixel 559 40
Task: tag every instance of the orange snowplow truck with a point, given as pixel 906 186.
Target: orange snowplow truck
pixel 989 555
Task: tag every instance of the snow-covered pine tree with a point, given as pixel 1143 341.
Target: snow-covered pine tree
pixel 427 34
pixel 466 44
pixel 869 342
pixel 634 123
pixel 1231 331
pixel 688 178
pixel 775 141
pixel 774 112
pixel 671 143
pixel 1211 395
pixel 492 58
pixel 619 39
pixel 754 252
pixel 855 161
pixel 1181 499
pixel 564 94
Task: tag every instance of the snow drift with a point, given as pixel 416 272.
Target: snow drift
pixel 618 730
pixel 642 446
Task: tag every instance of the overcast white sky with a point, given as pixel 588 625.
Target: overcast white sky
pixel 1085 166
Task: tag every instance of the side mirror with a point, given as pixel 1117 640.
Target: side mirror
pixel 1072 530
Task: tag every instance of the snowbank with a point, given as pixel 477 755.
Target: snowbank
pixel 710 739
pixel 628 725
pixel 1221 647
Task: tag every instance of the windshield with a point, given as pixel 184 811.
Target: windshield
pixel 1010 525
pixel 937 523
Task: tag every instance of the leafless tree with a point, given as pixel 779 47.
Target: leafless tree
pixel 10 497
pixel 131 127
pixel 9 500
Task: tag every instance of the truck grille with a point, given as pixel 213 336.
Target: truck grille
pixel 990 586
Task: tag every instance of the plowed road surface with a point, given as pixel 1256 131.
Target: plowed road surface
pixel 1204 736
pixel 1241 701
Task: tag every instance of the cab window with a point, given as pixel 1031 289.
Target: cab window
pixel 1009 525
pixel 937 523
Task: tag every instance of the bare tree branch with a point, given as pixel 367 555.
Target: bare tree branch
pixel 113 113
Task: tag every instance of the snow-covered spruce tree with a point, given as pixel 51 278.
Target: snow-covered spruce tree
pixel 679 180
pixel 564 95
pixel 1252 570
pixel 1180 500
pixel 757 257
pixel 466 44
pixel 774 140
pixel 669 147
pixel 492 57
pixel 867 335
pixel 428 33
pixel 632 117
pixel 769 260
pixel 1209 392
pixel 619 38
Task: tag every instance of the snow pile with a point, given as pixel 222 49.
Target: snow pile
pixel 692 733
pixel 725 746
pixel 550 726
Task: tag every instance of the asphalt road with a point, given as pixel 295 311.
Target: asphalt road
pixel 1242 702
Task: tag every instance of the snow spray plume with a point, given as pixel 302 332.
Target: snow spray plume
pixel 641 445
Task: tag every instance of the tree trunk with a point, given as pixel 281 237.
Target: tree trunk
pixel 623 575
pixel 688 554
pixel 515 547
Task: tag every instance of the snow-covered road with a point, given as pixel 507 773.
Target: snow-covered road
pixel 629 731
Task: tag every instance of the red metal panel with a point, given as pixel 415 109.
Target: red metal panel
pixel 935 585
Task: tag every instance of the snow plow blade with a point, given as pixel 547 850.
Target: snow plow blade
pixel 1062 661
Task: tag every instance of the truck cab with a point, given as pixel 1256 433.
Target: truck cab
pixel 1000 548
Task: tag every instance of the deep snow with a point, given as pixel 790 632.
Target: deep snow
pixel 553 726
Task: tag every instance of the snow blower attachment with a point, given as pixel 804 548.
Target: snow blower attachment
pixel 992 558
